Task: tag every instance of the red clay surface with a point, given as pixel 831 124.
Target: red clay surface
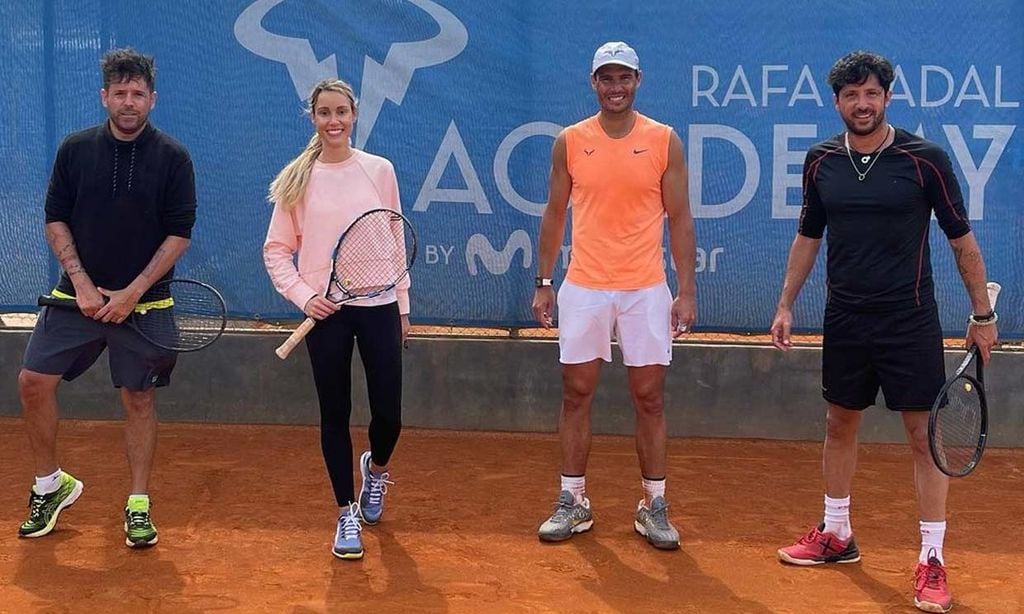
pixel 246 518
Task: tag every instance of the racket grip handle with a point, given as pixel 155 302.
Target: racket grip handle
pixel 293 340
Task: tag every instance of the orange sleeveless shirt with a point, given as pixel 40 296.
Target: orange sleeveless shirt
pixel 617 208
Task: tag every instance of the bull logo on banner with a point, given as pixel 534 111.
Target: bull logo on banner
pixel 389 80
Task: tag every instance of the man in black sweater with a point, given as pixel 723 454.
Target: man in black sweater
pixel 874 188
pixel 119 213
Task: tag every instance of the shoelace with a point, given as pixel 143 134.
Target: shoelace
pixel 35 505
pixel 138 520
pixel 660 515
pixel 350 526
pixel 563 509
pixel 932 577
pixel 379 487
pixel 813 537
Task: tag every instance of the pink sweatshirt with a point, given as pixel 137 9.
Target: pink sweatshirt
pixel 336 195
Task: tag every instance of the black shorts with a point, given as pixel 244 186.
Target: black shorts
pixel 899 351
pixel 66 343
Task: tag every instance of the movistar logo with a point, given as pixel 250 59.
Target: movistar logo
pixel 478 247
pixel 381 81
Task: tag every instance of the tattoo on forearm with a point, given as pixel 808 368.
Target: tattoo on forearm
pixel 66 251
pixel 150 271
pixel 966 260
pixel 67 254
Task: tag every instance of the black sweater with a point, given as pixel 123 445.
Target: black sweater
pixel 120 199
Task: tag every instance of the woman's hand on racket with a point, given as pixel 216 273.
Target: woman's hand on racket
pixel 544 306
pixel 684 314
pixel 781 327
pixel 406 326
pixel 319 308
pixel 984 337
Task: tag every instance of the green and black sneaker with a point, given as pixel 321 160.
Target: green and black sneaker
pixel 139 530
pixel 43 510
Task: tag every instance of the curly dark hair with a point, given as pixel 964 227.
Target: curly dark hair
pixel 855 68
pixel 123 65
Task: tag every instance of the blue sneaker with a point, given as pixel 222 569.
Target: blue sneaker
pixel 348 538
pixel 371 495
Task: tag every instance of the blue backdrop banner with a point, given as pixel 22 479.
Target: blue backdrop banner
pixel 466 97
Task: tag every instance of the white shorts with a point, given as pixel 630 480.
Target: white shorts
pixel 641 321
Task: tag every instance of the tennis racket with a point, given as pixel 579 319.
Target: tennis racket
pixel 373 254
pixel 181 315
pixel 958 422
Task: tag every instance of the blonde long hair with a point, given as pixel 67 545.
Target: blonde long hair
pixel 290 184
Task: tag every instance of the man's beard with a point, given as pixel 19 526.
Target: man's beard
pixel 850 125
pixel 129 125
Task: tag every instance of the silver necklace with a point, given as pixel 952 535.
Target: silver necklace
pixel 868 157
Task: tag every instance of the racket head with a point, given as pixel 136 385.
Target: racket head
pixel 958 421
pixel 181 315
pixel 372 256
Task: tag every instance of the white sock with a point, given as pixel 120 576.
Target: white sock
pixel 932 534
pixel 48 483
pixel 837 517
pixel 652 489
pixel 577 485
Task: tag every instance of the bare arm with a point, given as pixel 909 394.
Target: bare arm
pixel 972 270
pixel 552 230
pixel 62 244
pixel 682 239
pixel 122 301
pixel 801 260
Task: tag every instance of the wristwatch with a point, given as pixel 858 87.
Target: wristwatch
pixel 542 282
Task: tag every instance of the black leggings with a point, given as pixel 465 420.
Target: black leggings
pixel 378 331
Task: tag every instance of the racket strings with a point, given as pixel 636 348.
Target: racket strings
pixel 373 255
pixel 958 425
pixel 194 319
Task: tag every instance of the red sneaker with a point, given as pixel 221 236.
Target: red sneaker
pixel 818 547
pixel 931 593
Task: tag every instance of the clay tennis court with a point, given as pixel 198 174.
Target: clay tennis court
pixel 246 518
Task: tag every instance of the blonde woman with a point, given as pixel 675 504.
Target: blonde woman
pixel 316 196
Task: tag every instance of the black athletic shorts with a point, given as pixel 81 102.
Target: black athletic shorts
pixel 65 342
pixel 899 351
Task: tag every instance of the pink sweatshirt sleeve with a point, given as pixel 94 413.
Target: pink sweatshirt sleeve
pixel 389 192
pixel 284 238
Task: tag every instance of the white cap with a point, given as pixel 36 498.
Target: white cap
pixel 615 52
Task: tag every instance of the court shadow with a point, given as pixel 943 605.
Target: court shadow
pixel 353 585
pixel 403 572
pixel 625 589
pixel 895 600
pixel 58 577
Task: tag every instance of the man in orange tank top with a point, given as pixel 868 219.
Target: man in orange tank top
pixel 625 173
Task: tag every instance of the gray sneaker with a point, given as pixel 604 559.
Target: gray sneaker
pixel 569 517
pixel 653 524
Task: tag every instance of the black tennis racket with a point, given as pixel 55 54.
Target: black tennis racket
pixel 373 254
pixel 958 422
pixel 181 315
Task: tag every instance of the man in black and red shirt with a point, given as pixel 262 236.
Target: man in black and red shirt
pixel 119 213
pixel 874 188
